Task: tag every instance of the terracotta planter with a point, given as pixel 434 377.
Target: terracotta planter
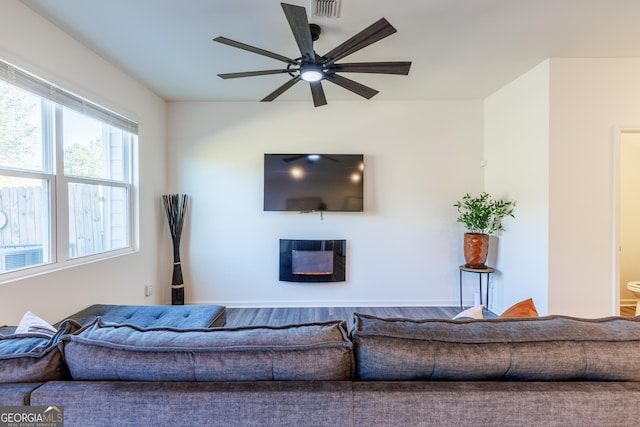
pixel 476 248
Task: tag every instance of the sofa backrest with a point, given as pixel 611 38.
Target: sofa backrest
pixel 313 351
pixel 552 348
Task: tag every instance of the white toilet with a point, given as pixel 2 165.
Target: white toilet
pixel 635 288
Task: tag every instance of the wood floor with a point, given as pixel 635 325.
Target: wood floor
pixel 275 316
pixel 627 311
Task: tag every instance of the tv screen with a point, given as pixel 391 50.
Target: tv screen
pixel 313 182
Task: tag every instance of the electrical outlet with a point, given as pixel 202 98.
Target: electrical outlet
pixel 148 290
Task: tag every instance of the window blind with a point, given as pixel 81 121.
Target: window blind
pixel 31 83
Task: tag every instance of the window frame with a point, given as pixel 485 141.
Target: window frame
pixel 58 183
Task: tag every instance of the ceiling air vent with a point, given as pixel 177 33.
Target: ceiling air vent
pixel 325 8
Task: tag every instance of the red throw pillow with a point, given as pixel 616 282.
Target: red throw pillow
pixel 524 308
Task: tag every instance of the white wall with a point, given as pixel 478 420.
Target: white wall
pixel 403 250
pixel 589 99
pixel 421 157
pixel 32 43
pixel 516 138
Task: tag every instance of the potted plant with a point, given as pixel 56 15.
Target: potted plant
pixel 482 216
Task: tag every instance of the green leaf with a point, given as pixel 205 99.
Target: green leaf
pixel 482 214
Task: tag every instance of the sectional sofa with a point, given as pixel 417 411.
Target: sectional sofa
pixel 551 371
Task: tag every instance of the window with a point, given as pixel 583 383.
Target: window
pixel 65 175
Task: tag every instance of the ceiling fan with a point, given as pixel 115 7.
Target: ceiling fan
pixel 314 68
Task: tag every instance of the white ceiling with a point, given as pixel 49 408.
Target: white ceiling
pixel 459 48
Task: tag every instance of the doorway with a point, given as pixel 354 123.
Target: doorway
pixel 627 218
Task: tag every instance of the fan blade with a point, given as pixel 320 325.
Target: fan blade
pixel 297 17
pixel 253 49
pixel 252 73
pixel 318 94
pixel 373 67
pixel 373 33
pixel 276 93
pixel 355 87
pixel 333 159
pixel 292 158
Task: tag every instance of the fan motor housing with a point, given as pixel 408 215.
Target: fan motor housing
pixel 315 31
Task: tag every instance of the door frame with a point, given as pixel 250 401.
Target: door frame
pixel 617 141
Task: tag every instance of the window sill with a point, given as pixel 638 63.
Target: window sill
pixel 39 270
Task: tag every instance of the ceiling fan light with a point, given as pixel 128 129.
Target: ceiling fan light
pixel 311 73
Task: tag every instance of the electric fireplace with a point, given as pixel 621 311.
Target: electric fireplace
pixel 313 260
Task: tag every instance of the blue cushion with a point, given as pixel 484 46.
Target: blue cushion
pixel 315 351
pixel 154 316
pixel 33 357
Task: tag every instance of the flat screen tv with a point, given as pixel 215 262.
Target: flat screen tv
pixel 313 182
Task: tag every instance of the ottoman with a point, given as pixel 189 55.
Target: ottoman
pixel 155 316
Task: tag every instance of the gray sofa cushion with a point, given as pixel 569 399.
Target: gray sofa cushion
pixel 144 403
pixel 549 348
pixel 494 403
pixel 16 394
pixel 155 316
pixel 315 351
pixel 33 357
